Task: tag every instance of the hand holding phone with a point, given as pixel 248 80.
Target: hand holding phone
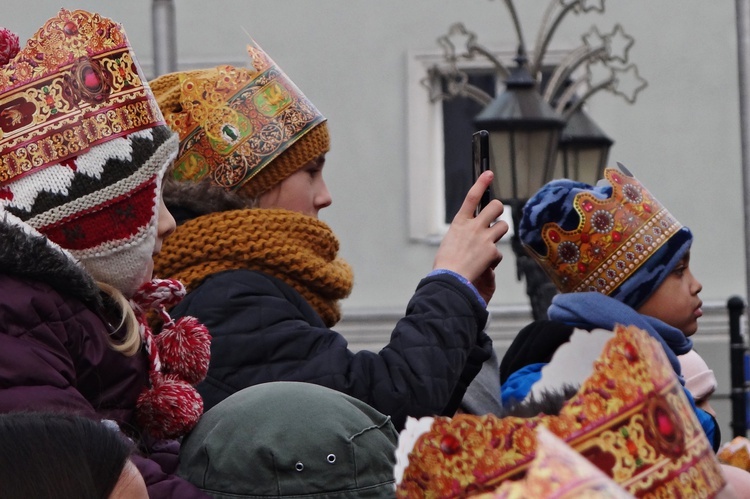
pixel 480 148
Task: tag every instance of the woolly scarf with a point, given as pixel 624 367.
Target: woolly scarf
pixel 298 249
pixel 595 309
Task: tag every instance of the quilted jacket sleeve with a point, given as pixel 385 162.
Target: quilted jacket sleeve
pixel 46 342
pixel 263 331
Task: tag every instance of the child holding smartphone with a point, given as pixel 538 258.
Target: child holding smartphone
pixel 263 272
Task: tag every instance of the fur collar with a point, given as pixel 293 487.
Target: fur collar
pixel 29 255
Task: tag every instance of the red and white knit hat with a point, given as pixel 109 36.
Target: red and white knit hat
pixel 83 145
pixel 83 151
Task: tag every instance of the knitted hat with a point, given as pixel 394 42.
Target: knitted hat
pixel 614 238
pixel 699 379
pixel 290 439
pixel 242 131
pixel 83 146
pixel 630 417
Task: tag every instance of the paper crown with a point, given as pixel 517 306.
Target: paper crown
pixel 75 84
pixel 630 418
pixel 558 472
pixel 613 239
pixel 234 121
pixel 736 453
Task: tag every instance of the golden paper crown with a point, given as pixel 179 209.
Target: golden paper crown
pixel 614 238
pixel 75 84
pixel 559 472
pixel 736 453
pixel 234 121
pixel 630 418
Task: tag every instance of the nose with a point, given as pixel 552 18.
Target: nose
pixel 166 224
pixel 697 286
pixel 323 197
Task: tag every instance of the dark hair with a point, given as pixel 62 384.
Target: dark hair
pixel 549 402
pixel 52 455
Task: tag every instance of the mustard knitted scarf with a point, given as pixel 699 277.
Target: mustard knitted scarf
pixel 298 249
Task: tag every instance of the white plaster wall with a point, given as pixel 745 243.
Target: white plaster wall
pixel 349 56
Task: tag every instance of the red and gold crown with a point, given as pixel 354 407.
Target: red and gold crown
pixel 630 418
pixel 558 472
pixel 614 237
pixel 234 121
pixel 75 84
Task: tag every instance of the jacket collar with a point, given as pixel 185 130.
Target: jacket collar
pixel 26 254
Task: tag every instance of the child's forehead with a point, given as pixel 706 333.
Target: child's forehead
pixel 686 257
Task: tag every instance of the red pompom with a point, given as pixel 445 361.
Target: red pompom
pixel 185 349
pixel 170 408
pixel 9 46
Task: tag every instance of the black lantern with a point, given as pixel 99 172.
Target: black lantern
pixel 583 150
pixel 524 133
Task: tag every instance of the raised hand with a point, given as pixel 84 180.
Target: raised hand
pixel 469 248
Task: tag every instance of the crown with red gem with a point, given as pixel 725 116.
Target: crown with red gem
pixel 630 418
pixel 559 472
pixel 75 84
pixel 615 236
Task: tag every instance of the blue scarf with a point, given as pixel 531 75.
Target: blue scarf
pixel 594 310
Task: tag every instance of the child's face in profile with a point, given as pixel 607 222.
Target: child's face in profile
pixel 304 191
pixel 676 300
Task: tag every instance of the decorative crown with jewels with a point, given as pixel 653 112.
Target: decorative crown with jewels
pixel 75 84
pixel 234 121
pixel 559 472
pixel 614 237
pixel 630 418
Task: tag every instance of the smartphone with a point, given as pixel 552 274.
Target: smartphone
pixel 480 152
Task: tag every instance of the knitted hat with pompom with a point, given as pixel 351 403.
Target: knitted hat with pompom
pixel 84 147
pixel 83 151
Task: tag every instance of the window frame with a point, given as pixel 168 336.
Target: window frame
pixel 425 143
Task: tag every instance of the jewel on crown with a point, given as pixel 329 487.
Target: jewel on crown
pixel 630 418
pixel 75 84
pixel 614 237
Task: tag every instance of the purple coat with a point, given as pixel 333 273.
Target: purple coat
pixel 55 354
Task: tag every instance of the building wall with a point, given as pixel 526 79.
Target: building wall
pixel 351 57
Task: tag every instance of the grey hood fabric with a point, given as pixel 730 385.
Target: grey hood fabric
pixel 290 439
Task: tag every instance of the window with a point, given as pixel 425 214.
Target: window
pixel 439 141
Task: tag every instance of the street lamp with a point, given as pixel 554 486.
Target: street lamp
pixel 540 132
pixel 583 149
pixel 524 133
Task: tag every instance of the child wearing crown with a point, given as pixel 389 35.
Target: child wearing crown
pixel 263 271
pixel 83 152
pixel 618 257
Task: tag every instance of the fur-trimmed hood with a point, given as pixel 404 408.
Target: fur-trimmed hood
pixel 26 253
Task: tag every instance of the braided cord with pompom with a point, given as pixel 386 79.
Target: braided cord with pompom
pixel 178 358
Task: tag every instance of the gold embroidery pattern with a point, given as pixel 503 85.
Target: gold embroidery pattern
pixel 613 239
pixel 238 120
pixel 630 418
pixel 558 471
pixel 74 85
